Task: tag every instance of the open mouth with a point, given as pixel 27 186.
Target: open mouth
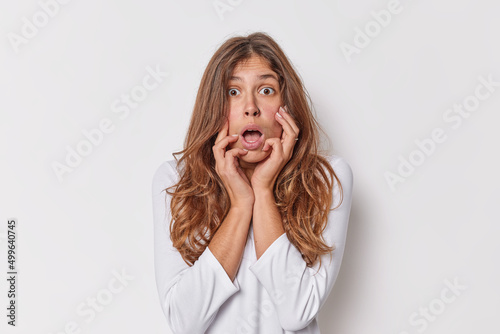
pixel 251 136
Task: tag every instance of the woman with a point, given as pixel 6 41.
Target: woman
pixel 250 222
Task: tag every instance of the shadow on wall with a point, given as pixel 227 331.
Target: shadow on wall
pixel 341 301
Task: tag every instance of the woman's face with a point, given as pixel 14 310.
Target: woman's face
pixel 253 98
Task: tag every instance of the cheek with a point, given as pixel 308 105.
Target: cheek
pixel 274 128
pixel 277 130
pixel 232 124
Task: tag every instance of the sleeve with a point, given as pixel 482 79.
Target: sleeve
pixel 298 292
pixel 190 296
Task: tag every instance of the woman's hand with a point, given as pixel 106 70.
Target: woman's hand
pixel 266 172
pixel 228 168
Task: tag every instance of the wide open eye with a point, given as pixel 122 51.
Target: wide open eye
pixel 234 92
pixel 267 90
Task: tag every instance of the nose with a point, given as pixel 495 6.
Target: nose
pixel 254 113
pixel 251 108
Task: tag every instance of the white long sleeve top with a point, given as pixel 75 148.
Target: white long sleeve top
pixel 277 293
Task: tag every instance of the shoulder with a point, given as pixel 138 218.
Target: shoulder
pixel 341 167
pixel 344 175
pixel 165 176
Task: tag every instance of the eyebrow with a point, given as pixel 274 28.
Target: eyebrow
pixel 260 77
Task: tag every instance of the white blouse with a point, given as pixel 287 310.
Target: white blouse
pixel 276 294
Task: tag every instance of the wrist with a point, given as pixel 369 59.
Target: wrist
pixel 264 194
pixel 241 210
pixel 263 187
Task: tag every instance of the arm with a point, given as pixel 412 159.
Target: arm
pixel 267 225
pixel 190 296
pixel 228 243
pixel 297 292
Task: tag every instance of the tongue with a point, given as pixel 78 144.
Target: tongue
pixel 251 136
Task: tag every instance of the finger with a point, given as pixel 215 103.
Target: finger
pixel 289 134
pixel 225 141
pixel 237 155
pixel 223 132
pixel 219 149
pixel 274 144
pixel 290 120
pixel 285 123
pixel 232 153
pixel 231 158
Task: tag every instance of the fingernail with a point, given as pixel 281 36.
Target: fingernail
pixel 245 149
pixel 279 115
pixel 285 109
pixel 234 135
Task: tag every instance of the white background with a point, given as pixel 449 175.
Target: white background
pixel 403 244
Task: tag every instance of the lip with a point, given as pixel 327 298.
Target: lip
pixel 254 145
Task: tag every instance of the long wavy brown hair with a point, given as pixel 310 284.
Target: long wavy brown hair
pixel 304 188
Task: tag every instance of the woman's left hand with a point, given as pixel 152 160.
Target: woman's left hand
pixel 266 172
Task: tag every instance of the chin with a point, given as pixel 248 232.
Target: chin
pixel 254 156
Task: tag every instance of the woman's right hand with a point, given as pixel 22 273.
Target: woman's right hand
pixel 228 168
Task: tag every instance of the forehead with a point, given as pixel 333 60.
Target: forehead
pixel 254 67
